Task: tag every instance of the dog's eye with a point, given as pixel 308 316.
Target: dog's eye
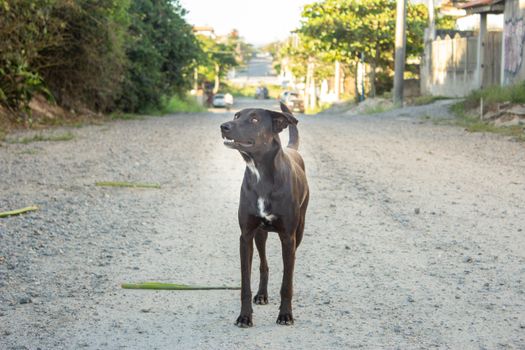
pixel 236 116
pixel 255 120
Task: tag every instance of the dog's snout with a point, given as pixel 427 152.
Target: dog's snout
pixel 226 127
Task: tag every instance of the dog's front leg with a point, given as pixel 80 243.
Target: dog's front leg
pixel 285 310
pixel 246 249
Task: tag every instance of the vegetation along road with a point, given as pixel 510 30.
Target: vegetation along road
pixel 414 237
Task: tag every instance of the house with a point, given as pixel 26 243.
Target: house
pixel 456 63
pixel 513 69
pixel 205 30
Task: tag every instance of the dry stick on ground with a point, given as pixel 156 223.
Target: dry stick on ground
pixel 18 211
pixel 125 184
pixel 171 286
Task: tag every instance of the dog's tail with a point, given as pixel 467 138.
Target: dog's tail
pixel 293 141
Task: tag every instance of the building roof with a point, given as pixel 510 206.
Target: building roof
pixel 482 6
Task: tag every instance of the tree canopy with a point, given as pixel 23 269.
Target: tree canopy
pixel 347 30
pixel 99 55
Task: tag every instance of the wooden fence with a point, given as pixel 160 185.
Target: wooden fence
pixel 453 65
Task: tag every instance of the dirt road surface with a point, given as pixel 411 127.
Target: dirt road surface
pixel 414 238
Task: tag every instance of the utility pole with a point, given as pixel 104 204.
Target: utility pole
pixel 400 51
pixel 430 34
pixel 431 21
pixel 337 80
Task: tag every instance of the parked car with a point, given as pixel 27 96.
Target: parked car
pixel 223 100
pixel 218 100
pixel 293 100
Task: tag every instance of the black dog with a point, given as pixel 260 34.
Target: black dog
pixel 274 197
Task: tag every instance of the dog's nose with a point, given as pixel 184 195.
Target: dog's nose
pixel 226 127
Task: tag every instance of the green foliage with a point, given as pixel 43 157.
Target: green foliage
pixel 444 22
pixel 217 58
pixel 85 69
pixel 18 85
pixel 26 29
pixel 348 30
pixel 467 115
pixel 99 55
pixel 161 51
pixel 177 104
pixel 427 99
pixel 249 90
pixel 496 94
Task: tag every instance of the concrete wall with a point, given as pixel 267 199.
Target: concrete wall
pixel 513 67
pixel 451 67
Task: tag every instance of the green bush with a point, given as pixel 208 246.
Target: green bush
pixel 176 104
pixel 161 51
pixel 100 55
pixel 26 29
pixel 496 94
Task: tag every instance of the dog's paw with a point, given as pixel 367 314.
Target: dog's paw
pixel 244 321
pixel 285 319
pixel 260 299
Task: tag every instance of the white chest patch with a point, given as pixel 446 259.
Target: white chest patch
pixel 251 165
pixel 262 210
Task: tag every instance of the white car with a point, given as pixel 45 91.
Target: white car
pixel 223 100
pixel 218 100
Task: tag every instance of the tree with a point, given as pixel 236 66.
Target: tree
pixel 217 59
pixel 94 54
pixel 161 50
pixel 346 29
pixel 86 67
pixel 25 29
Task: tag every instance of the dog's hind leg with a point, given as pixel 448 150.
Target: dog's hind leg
pixel 261 297
pixel 300 227
pixel 299 232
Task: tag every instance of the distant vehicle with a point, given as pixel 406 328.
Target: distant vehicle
pixel 223 101
pixel 293 101
pixel 218 100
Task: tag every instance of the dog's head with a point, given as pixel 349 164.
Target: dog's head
pixel 253 130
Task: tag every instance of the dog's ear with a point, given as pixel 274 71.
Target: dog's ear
pixel 280 120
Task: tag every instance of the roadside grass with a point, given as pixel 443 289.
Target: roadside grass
pixel 126 116
pixel 427 99
pixel 66 136
pixel 174 104
pixel 318 109
pixel 472 123
pixel 31 152
pixel 186 104
pixel 126 184
pixel 249 90
pixel 496 94
pixel 378 109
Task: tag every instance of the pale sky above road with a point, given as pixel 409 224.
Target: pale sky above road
pixel 258 21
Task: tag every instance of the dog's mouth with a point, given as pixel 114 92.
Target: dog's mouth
pixel 229 142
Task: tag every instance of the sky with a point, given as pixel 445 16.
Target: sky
pixel 258 21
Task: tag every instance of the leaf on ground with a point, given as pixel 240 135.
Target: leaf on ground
pixel 18 211
pixel 126 184
pixel 173 286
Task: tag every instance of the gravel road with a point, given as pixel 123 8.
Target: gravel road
pixel 414 238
